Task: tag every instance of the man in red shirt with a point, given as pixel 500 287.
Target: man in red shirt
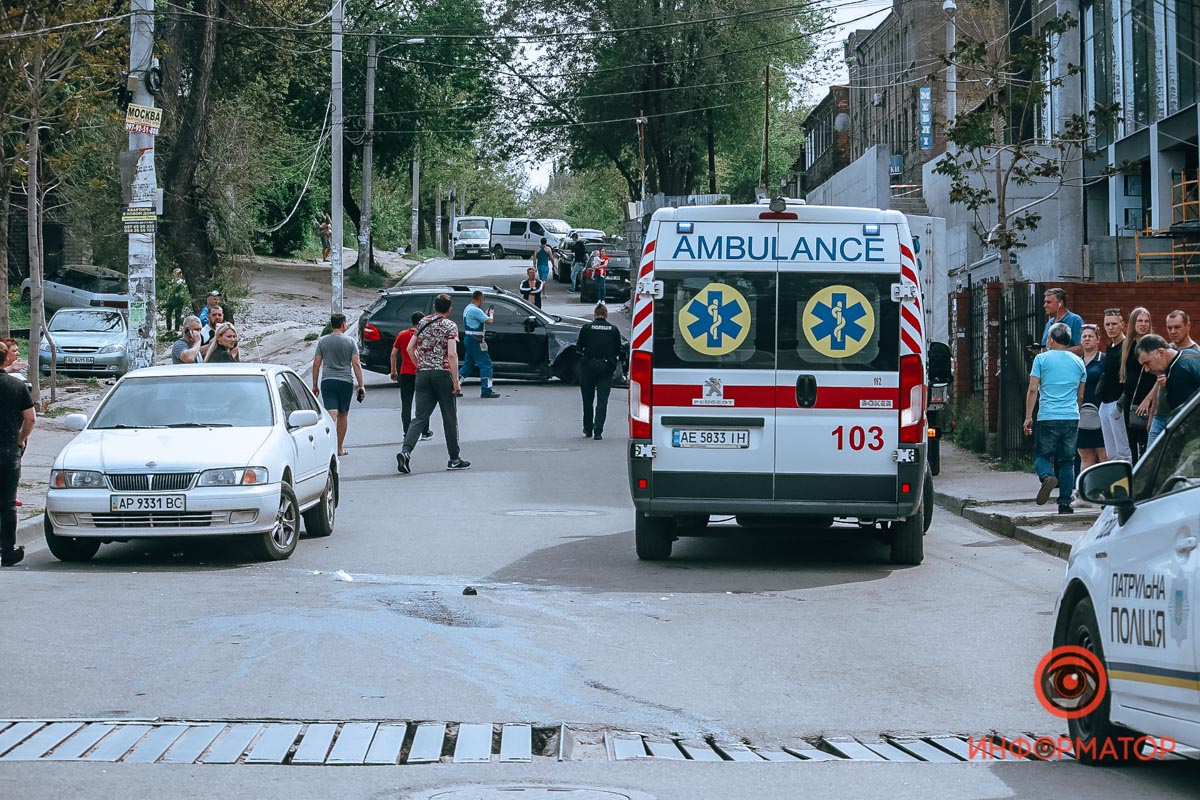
pixel 407 375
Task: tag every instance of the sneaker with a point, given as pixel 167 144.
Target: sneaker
pixel 404 462
pixel 1065 509
pixel 489 396
pixel 598 436
pixel 1049 484
pixel 458 463
pixel 13 557
pixel 426 436
pixel 587 434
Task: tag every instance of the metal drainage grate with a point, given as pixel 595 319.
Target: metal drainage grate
pixel 406 742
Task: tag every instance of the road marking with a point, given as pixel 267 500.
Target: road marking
pixel 474 745
pixel 427 743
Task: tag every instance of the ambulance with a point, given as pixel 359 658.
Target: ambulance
pixel 777 374
pixel 1130 598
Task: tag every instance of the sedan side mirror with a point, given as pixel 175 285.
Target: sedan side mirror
pixel 76 422
pixel 1109 484
pixel 303 418
pixel 531 322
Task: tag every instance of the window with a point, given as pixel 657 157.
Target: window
pixel 536 229
pixel 1048 126
pixel 701 313
pixel 400 309
pixel 1172 465
pixel 287 397
pixel 303 396
pixel 821 314
pixel 1187 51
pixel 187 401
pixel 516 228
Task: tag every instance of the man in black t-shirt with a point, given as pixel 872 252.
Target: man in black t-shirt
pixel 1112 416
pixel 17 418
pixel 580 255
pixel 599 345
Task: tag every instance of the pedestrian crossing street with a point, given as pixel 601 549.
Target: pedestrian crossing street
pixel 350 743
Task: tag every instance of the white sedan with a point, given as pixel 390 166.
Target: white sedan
pixel 1132 597
pixel 196 450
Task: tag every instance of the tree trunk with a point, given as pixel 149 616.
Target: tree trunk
pixel 37 309
pixel 5 203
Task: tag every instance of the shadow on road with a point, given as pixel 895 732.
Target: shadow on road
pixel 729 559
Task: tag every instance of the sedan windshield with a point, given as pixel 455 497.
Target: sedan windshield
pixel 473 233
pixel 588 233
pixel 187 401
pixel 82 321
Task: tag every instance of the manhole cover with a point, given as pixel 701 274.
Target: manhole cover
pixel 545 512
pixel 539 449
pixel 528 793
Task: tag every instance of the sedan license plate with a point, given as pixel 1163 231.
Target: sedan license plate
pixel 699 437
pixel 148 502
pixel 78 360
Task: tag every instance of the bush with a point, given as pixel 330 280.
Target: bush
pixel 969 430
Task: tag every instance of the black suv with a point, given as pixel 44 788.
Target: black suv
pixel 524 341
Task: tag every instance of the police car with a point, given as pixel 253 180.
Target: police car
pixel 777 373
pixel 1131 589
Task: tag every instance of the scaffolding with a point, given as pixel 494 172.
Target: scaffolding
pixel 1183 237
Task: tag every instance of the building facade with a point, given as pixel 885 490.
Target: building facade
pixel 827 148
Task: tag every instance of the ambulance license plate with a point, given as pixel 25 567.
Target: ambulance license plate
pixel 148 502
pixel 701 437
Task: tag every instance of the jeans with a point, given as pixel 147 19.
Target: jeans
pixel 1116 437
pixel 595 383
pixel 1157 426
pixel 576 274
pixel 601 289
pixel 10 475
pixel 1054 454
pixel 435 387
pixel 476 356
pixel 408 390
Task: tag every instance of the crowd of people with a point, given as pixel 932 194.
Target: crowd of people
pixel 1100 392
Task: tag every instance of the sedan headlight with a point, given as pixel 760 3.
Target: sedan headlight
pixel 234 476
pixel 44 346
pixel 112 348
pixel 76 479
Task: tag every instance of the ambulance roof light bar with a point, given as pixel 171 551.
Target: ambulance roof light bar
pixel 684 227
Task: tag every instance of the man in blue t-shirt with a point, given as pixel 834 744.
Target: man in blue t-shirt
pixel 474 346
pixel 1056 384
pixel 1055 303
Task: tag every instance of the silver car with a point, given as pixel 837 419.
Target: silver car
pixel 82 285
pixel 87 341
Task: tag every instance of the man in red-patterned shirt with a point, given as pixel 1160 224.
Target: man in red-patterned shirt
pixel 407 374
pixel 434 349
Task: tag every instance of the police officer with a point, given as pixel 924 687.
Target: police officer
pixel 598 346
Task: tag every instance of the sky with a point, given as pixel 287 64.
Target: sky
pixel 843 12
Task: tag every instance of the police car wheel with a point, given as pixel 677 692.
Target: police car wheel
pixel 927 501
pixel 1083 631
pixel 908 540
pixel 653 537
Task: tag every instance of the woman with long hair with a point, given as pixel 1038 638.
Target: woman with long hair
pixel 224 349
pixel 1138 383
pixel 1090 441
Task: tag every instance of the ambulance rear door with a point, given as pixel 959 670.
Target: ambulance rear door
pixel 838 363
pixel 714 360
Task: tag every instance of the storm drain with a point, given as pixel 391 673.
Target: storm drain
pixel 408 742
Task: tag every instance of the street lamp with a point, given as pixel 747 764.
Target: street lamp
pixel 951 9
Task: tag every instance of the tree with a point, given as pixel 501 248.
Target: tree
pixel 1011 139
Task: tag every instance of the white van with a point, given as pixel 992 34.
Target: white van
pixel 777 373
pixel 472 223
pixel 521 236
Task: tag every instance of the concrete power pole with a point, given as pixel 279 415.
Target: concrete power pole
pixel 335 258
pixel 416 198
pixel 364 228
pixel 143 193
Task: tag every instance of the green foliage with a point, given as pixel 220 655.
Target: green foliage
pixel 969 431
pixel 18 310
pixel 311 337
pixel 592 198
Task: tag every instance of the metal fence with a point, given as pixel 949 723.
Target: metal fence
pixel 1023 318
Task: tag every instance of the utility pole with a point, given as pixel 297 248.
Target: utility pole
pixel 335 258
pixel 364 228
pixel 951 8
pixel 766 173
pixel 641 123
pixel 143 193
pixel 437 218
pixel 416 197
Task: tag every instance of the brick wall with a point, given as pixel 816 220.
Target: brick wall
pixel 1089 300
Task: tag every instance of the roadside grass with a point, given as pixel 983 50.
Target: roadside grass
pixel 1013 462
pixel 61 411
pixel 18 311
pixel 425 254
pixel 311 337
pixel 968 430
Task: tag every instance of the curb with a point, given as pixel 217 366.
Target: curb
pixel 1002 525
pixel 29 530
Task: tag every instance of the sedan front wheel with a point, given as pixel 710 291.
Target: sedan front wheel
pixel 279 543
pixel 69 548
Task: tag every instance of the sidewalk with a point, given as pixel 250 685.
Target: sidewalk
pixel 1003 503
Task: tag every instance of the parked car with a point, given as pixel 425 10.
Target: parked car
pixel 88 341
pixel 617 287
pixel 472 242
pixel 523 236
pixel 82 285
pixel 196 450
pixel 524 341
pixel 588 235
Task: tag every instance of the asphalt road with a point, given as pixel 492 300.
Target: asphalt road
pixel 763 639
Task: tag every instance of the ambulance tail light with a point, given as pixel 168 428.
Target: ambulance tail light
pixel 912 400
pixel 641 403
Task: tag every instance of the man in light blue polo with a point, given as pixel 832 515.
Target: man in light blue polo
pixel 1056 383
pixel 474 346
